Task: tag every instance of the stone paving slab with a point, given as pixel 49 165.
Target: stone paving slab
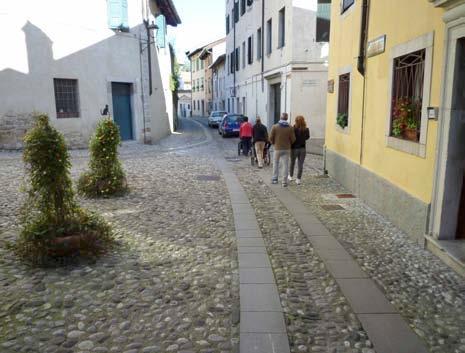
pixel 345 269
pixel 256 275
pixel 262 322
pixel 252 250
pixel 264 343
pixel 248 233
pixel 254 260
pixel 250 242
pixel 364 296
pixel 259 297
pixel 391 334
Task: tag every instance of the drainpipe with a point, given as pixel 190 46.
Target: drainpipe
pixel 361 67
pixel 149 51
pixel 234 55
pixel 263 44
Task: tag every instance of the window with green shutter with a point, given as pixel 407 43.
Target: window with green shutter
pixel 161 31
pixel 117 13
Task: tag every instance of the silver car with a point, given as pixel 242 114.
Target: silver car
pixel 215 118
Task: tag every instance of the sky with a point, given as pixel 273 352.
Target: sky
pixel 203 21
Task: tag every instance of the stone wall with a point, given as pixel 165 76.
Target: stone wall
pixel 13 127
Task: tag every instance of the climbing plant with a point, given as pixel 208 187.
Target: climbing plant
pixel 105 177
pixel 52 222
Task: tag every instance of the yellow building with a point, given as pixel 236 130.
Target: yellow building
pixel 395 130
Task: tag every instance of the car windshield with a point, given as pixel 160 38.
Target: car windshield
pixel 235 118
pixel 218 114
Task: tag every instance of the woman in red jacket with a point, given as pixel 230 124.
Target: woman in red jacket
pixel 245 134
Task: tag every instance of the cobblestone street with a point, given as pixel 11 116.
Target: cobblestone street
pixel 172 284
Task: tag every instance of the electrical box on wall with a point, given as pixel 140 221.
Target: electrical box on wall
pixel 433 113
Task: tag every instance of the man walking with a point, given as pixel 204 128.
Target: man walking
pixel 245 134
pixel 282 137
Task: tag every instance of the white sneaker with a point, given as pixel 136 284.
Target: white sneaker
pixel 289 178
pixel 297 181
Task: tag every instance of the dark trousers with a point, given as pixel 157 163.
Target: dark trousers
pixel 246 145
pixel 299 155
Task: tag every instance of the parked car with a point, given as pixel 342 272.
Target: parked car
pixel 215 118
pixel 230 125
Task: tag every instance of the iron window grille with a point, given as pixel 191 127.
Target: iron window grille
pixel 66 98
pixel 407 90
pixel 346 4
pixel 343 100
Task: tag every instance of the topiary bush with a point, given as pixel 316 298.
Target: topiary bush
pixel 106 176
pixel 52 222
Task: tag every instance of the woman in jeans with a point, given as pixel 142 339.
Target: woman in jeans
pixel 298 150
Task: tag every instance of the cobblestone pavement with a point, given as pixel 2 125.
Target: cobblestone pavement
pixel 170 287
pixel 425 291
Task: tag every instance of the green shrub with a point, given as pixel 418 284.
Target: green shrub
pixel 105 177
pixel 50 210
pixel 342 120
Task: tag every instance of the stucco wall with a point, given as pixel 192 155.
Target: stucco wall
pixel 414 18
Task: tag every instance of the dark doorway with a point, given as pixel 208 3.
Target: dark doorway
pixel 276 102
pixel 456 143
pixel 122 113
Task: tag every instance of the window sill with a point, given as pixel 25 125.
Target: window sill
pixel 410 147
pixel 342 130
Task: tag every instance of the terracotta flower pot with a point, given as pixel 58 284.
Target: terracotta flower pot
pixel 69 245
pixel 411 134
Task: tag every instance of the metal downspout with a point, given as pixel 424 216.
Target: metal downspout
pixel 361 67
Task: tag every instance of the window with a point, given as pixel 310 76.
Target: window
pixel 323 20
pixel 231 63
pixel 194 105
pixel 407 95
pixel 243 54
pixel 66 98
pixel 236 11
pixel 250 50
pixel 161 31
pixel 242 7
pixel 117 13
pixel 346 4
pixel 282 28
pixel 237 59
pixel 269 36
pixel 201 64
pixel 227 24
pixel 343 100
pixel 259 44
pixel 202 85
pixel 249 2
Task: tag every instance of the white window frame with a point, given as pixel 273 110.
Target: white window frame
pixel 342 71
pixel 425 42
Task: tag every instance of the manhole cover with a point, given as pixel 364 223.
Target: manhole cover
pixel 208 177
pixel 332 207
pixel 232 159
pixel 345 196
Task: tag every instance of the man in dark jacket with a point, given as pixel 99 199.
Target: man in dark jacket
pixel 282 137
pixel 260 138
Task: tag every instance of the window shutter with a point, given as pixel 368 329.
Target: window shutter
pixel 114 13
pixel 161 31
pixel 124 14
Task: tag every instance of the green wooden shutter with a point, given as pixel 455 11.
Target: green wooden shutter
pixel 161 31
pixel 117 12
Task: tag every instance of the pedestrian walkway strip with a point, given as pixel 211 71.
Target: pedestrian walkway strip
pixel 262 326
pixel 388 331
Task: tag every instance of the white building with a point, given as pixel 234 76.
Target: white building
pixel 277 53
pixel 219 83
pixel 184 103
pixel 70 64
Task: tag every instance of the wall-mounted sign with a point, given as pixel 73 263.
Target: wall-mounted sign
pixel 331 86
pixel 376 46
pixel 433 113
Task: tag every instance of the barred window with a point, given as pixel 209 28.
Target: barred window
pixel 343 100
pixel 66 98
pixel 407 95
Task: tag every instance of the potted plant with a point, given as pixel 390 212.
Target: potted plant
pixel 342 120
pixel 405 119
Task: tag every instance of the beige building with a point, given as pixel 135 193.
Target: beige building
pixel 202 87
